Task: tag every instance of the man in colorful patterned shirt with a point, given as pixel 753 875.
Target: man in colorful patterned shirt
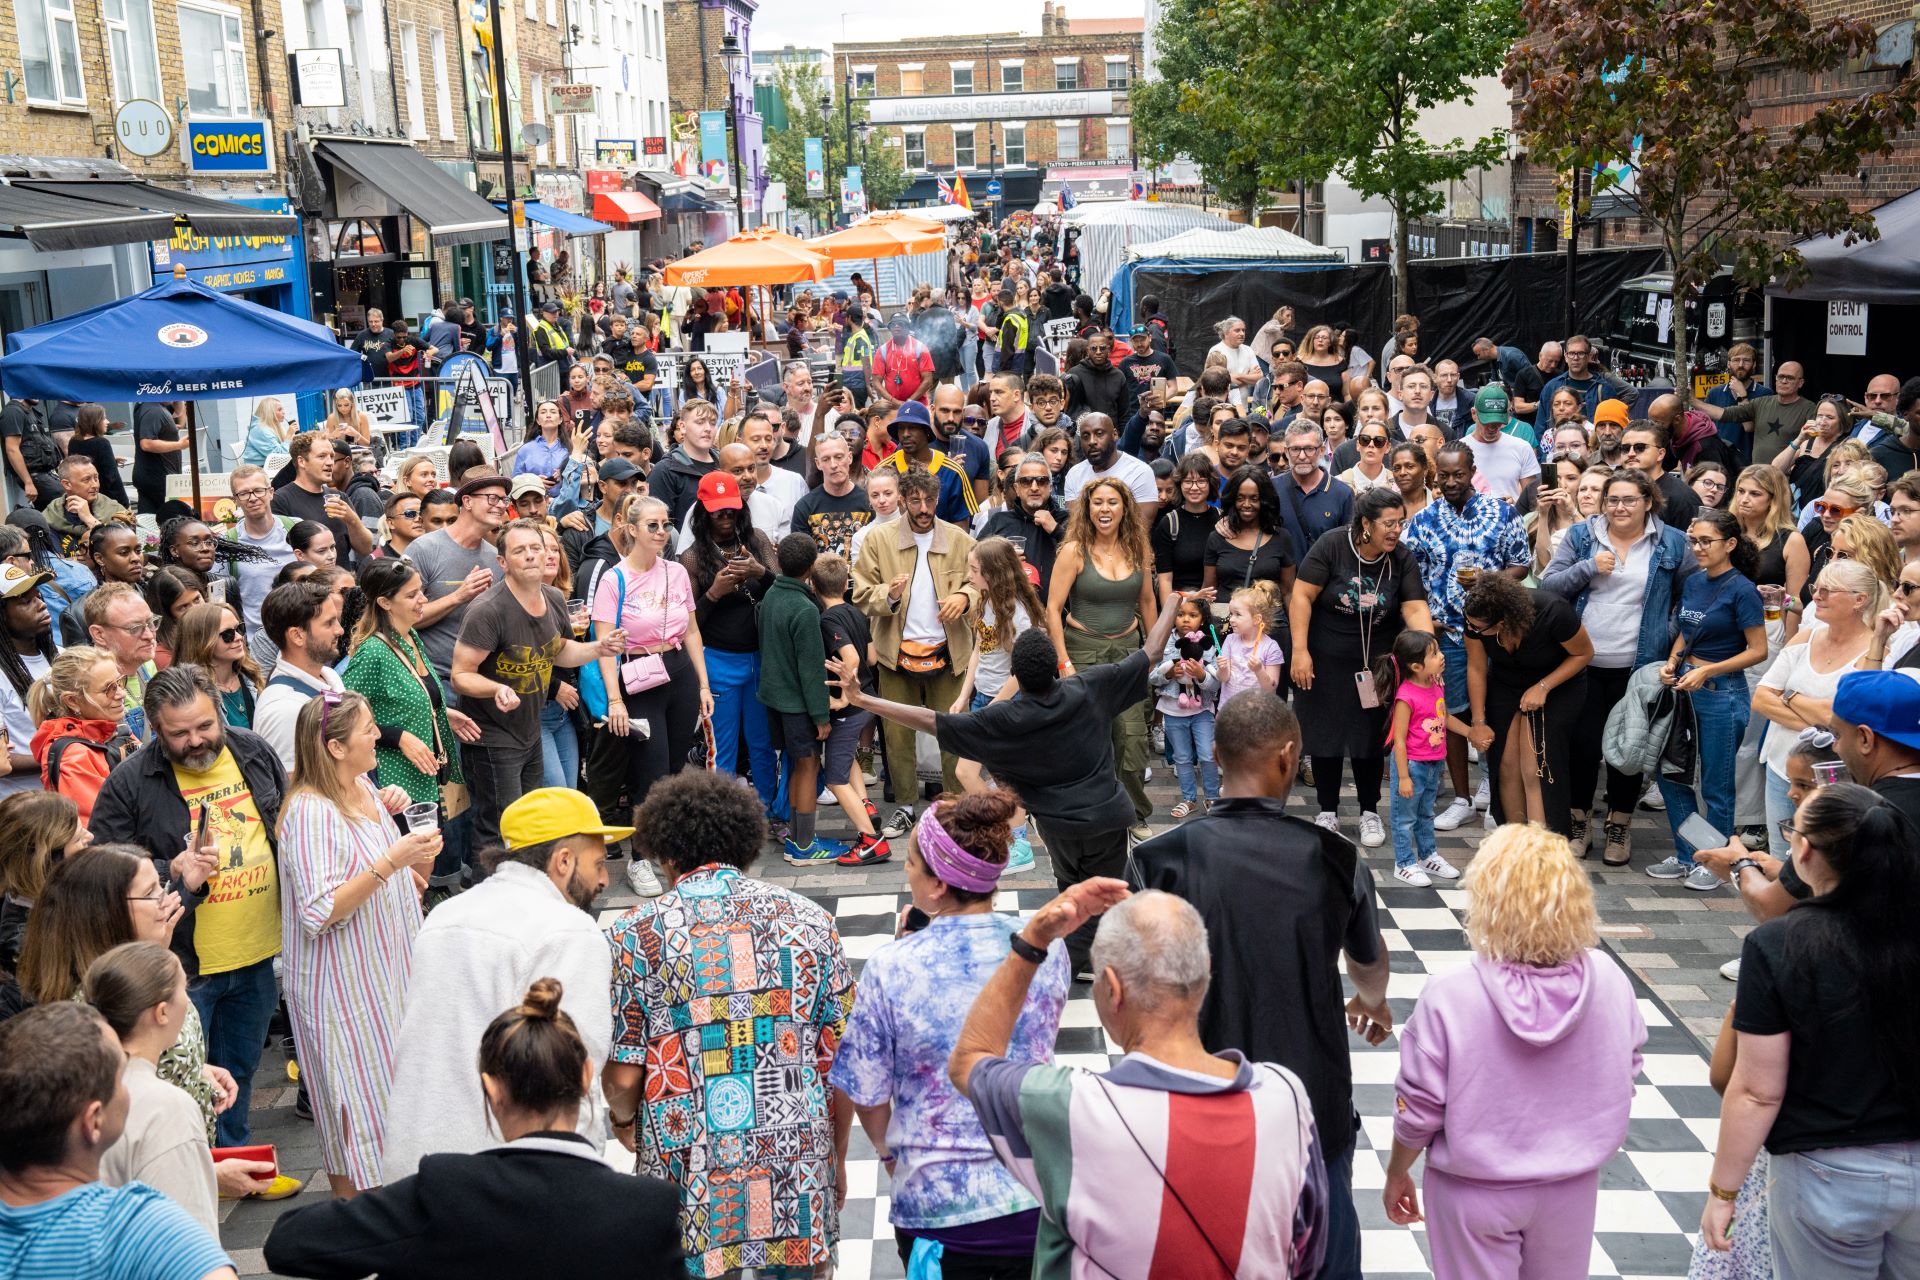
pixel 1177 1162
pixel 730 996
pixel 1466 531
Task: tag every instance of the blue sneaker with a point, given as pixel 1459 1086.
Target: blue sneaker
pixel 1020 855
pixel 820 851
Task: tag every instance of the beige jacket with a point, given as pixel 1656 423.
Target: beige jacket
pixel 889 551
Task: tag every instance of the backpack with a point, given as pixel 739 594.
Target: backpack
pixel 113 750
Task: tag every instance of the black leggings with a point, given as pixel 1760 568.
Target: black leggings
pixel 1605 687
pixel 1367 775
pixel 672 711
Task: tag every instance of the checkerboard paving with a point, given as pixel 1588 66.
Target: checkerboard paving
pixel 1651 1193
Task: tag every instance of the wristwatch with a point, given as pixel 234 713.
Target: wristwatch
pixel 1026 950
pixel 1742 864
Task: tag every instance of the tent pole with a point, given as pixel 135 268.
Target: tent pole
pixel 193 455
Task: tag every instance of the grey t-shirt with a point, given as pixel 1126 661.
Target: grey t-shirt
pixel 444 564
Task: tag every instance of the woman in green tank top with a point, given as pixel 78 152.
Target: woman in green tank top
pixel 1100 603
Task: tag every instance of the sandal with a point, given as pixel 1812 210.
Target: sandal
pixel 1185 809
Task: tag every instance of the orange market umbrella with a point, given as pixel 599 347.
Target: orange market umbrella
pixel 886 234
pixel 762 255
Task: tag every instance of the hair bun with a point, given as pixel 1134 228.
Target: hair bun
pixel 542 999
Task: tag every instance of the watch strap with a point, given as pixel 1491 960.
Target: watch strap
pixel 1026 950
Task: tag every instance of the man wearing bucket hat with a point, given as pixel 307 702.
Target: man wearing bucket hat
pixel 912 430
pixel 480 950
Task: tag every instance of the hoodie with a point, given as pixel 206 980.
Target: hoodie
pixel 83 769
pixel 676 482
pixel 1516 1074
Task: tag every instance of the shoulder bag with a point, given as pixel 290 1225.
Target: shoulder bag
pixel 649 670
pixel 454 797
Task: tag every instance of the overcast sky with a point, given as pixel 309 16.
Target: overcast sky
pixel 819 22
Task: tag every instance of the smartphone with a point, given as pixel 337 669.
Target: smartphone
pixel 1160 387
pixel 206 819
pixel 1363 685
pixel 916 920
pixel 1699 833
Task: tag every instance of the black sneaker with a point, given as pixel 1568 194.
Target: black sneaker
pixel 899 824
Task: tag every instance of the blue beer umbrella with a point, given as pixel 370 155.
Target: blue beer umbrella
pixel 178 340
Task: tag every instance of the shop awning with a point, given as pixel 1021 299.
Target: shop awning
pixel 689 202
pixel 205 215
pixel 560 220
pixel 453 214
pixel 624 207
pixel 52 223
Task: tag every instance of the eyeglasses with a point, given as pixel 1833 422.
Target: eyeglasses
pixel 228 634
pixel 1821 507
pixel 1699 544
pixel 1371 442
pixel 256 492
pixel 492 499
pixel 1623 500
pixel 1787 829
pixel 23 557
pixel 1391 526
pixel 1303 450
pixel 155 897
pixel 146 628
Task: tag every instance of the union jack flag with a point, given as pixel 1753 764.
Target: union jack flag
pixel 945 190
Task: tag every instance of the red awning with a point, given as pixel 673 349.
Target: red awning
pixel 624 207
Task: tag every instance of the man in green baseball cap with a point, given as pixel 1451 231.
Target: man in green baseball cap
pixel 1503 461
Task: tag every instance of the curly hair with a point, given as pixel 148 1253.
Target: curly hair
pixel 1528 902
pixel 980 824
pixel 1127 531
pixel 1501 601
pixel 696 817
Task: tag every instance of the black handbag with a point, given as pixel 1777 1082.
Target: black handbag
pixel 1680 757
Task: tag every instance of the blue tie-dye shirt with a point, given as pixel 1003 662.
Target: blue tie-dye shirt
pixel 912 998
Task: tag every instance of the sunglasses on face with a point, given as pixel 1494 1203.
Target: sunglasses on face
pixel 1034 480
pixel 228 634
pixel 655 526
pixel 973 420
pixel 1371 442
pixel 1640 447
pixel 1822 507
pixel 408 513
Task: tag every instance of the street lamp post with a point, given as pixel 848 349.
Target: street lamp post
pixel 733 55
pixel 826 152
pixel 866 133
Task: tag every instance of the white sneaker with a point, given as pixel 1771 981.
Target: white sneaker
pixel 1413 875
pixel 1372 834
pixel 825 798
pixel 1488 824
pixel 1439 866
pixel 1147 776
pixel 1454 816
pixel 1328 819
pixel 641 880
pixel 1651 798
pixel 1483 798
pixel 1731 970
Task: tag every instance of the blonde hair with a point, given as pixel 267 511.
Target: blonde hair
pixel 1262 599
pixel 1779 496
pixel 1528 902
pixel 331 717
pixel 1859 578
pixel 66 676
pixel 1872 544
pixel 1854 486
pixel 1844 456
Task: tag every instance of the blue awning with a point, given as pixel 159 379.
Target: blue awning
pixel 689 202
pixel 560 220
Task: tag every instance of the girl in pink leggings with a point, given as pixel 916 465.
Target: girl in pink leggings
pixel 1516 1073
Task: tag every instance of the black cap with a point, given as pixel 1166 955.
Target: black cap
pixel 550 307
pixel 618 469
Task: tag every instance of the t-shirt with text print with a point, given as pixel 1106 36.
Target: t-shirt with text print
pixel 520 651
pixel 239 922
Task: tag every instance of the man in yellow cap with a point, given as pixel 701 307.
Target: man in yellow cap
pixel 475 956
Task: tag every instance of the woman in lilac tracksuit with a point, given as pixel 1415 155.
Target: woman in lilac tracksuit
pixel 1516 1073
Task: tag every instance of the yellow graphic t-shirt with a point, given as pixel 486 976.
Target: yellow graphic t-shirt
pixel 239 922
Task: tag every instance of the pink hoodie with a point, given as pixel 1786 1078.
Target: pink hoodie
pixel 1509 1073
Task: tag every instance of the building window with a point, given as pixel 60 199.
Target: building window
pixel 914 143
pixel 442 100
pixel 410 68
pixel 538 88
pixel 913 82
pixel 1066 75
pixel 863 82
pixel 1066 140
pixel 1117 74
pixel 216 62
pixel 136 69
pixel 1013 77
pixel 963 146
pixel 963 79
pixel 1119 139
pixel 553 15
pixel 50 51
pixel 1014 142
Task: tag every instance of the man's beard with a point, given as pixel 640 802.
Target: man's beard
pixel 200 761
pixel 580 892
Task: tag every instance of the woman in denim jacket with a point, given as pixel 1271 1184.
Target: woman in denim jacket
pixel 1622 569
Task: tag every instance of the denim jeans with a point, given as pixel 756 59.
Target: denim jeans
pixel 1190 739
pixel 497 775
pixel 1343 1221
pixel 417 406
pixel 234 1008
pixel 735 680
pixel 1413 838
pixel 1721 708
pixel 559 747
pixel 1779 810
pixel 1846 1211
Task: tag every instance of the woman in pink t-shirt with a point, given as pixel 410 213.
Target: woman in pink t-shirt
pixel 649 594
pixel 1417 733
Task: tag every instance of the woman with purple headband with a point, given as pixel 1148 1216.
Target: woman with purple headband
pixel 950 1196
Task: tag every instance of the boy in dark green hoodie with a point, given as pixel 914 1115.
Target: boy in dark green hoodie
pixel 793 687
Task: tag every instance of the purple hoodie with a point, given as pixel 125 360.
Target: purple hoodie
pixel 1542 1080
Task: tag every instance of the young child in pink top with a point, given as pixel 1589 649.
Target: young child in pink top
pixel 1411 676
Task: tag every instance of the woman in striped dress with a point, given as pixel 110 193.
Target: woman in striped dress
pixel 350 888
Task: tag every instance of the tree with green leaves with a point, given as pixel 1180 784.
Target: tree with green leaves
pixel 881 170
pixel 1655 97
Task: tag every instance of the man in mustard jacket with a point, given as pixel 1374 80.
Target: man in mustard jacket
pixel 911 580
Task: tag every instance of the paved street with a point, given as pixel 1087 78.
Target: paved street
pixel 1671 939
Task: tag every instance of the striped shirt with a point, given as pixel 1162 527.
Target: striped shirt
pixel 957 501
pixel 1150 1172
pixel 105 1233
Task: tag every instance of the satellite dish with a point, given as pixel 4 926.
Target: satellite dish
pixel 535 134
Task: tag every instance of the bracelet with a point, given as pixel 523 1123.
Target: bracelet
pixel 1026 950
pixel 376 874
pixel 618 1123
pixel 1721 1193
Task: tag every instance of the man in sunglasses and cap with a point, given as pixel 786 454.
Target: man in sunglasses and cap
pixel 475 955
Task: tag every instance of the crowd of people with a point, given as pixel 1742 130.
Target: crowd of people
pixel 351 768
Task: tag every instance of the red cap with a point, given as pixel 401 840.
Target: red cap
pixel 719 492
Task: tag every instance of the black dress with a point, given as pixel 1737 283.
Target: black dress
pixel 1509 675
pixel 1353 624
